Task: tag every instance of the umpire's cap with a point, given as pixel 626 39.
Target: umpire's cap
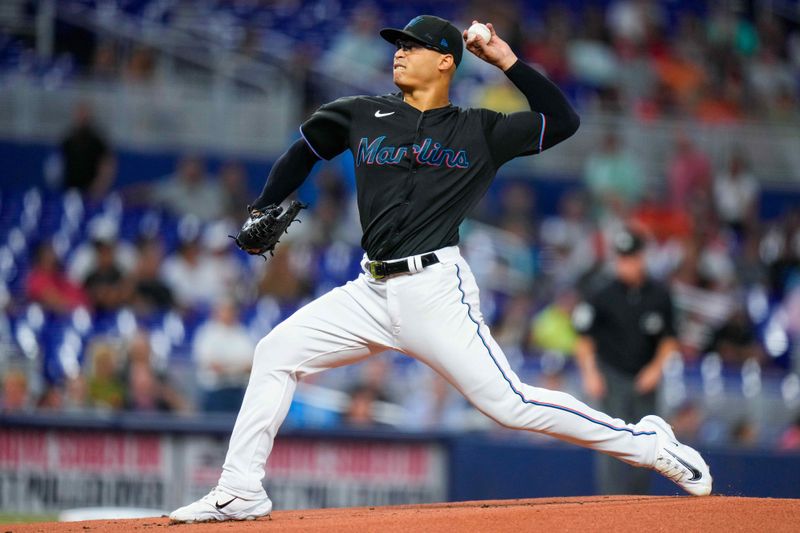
pixel 432 32
pixel 629 242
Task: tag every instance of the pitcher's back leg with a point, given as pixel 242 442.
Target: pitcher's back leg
pixel 341 327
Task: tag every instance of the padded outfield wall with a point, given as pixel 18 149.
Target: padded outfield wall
pixel 51 463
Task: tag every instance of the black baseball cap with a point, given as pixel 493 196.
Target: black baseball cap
pixel 433 32
pixel 628 242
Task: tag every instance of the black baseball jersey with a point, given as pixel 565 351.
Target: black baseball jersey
pixel 626 323
pixel 418 174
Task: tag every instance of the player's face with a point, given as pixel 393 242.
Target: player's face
pixel 414 65
pixel 631 268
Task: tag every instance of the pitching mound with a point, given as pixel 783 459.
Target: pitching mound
pixel 600 513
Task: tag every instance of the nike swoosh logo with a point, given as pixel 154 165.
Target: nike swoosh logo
pixel 695 472
pixel 224 505
pixel 378 114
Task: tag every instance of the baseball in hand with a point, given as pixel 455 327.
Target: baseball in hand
pixel 479 29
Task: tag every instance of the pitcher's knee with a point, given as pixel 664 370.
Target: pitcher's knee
pixel 275 349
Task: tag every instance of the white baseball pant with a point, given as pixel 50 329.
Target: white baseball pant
pixel 434 316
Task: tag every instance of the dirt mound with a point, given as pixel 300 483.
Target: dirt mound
pixel 596 513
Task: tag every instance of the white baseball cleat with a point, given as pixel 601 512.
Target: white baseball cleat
pixel 680 463
pixel 218 506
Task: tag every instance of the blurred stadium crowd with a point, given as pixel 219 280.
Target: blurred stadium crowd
pixel 717 62
pixel 135 299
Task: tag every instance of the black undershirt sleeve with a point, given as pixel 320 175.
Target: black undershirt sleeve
pixel 545 97
pixel 550 120
pixel 287 174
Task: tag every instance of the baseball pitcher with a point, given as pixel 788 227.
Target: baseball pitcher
pixel 421 164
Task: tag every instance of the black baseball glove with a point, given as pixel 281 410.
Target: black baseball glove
pixel 264 228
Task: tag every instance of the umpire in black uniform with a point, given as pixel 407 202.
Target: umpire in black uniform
pixel 626 335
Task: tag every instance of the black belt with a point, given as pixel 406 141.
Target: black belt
pixel 383 269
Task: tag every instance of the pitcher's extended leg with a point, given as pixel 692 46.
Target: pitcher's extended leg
pixel 442 326
pixel 343 326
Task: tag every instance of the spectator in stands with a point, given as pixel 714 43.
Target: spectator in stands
pixel 703 286
pixel 660 102
pixel 235 194
pixel 76 394
pixel 736 193
pixel 736 341
pixel 284 279
pixel 219 253
pixel 195 281
pixel 567 252
pixel 141 65
pixel 517 202
pixel 505 15
pixel 223 353
pixel 48 285
pixel 14 389
pixel 790 438
pixel 52 398
pixel 146 390
pixel 102 230
pixel 8 345
pixel 690 36
pixel 324 225
pixel 721 102
pixel 360 411
pixel 151 293
pixel 552 329
pixel 750 268
pixel 791 306
pixel 744 434
pixel 106 390
pixel 83 151
pixel 189 191
pixel 595 64
pixel 770 79
pixel 633 20
pixel 548 48
pixel 688 173
pixel 639 86
pixel 687 421
pixel 784 269
pixel 498 96
pixel 681 77
pixel 728 32
pixel 326 221
pixel 355 53
pixel 512 329
pixel 105 66
pixel 106 176
pixel 107 286
pixel 614 176
pixel 669 225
